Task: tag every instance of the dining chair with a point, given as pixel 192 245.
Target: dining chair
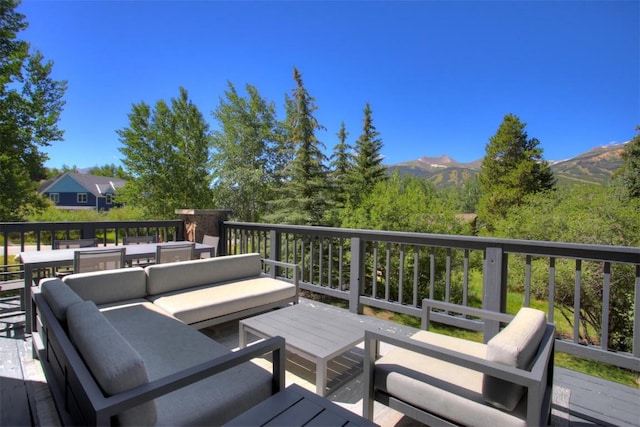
pixel 211 241
pixel 97 260
pixel 175 252
pixel 71 244
pixel 139 240
pixel 75 244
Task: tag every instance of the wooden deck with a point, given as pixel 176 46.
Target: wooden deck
pixel 578 399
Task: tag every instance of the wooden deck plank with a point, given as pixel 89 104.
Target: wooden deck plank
pixel 595 400
pixel 14 399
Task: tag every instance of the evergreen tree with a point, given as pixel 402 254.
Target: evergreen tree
pixel 247 155
pixel 340 168
pixel 166 152
pixel 512 168
pixel 368 169
pixel 629 172
pixel 30 106
pixel 304 193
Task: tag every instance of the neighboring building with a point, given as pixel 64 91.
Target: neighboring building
pixel 82 191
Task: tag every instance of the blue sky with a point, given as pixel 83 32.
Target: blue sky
pixel 440 75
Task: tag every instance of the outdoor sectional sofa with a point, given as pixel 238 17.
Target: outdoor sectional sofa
pixel 121 347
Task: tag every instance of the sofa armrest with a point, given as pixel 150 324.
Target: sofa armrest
pixel 106 407
pixel 294 267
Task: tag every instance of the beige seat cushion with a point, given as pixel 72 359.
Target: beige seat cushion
pixel 163 278
pixel 439 387
pixel 59 297
pixel 516 345
pixel 104 287
pixel 169 346
pixel 209 302
pixel 115 365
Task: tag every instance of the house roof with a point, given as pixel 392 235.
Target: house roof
pixel 97 185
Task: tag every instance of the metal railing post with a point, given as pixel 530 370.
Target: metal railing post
pixel 494 287
pixel 356 285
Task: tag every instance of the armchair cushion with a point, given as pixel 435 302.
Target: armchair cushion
pixel 516 345
pixel 115 365
pixel 437 386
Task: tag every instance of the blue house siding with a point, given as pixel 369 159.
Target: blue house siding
pixel 94 189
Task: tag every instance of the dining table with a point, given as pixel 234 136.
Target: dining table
pixel 47 259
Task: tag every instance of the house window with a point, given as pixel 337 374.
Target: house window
pixel 109 199
pixel 55 197
pixel 82 198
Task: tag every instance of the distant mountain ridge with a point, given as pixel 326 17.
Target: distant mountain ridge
pixel 592 167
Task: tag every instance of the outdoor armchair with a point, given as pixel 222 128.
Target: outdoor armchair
pixel 442 380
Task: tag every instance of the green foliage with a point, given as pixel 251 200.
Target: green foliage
pixel 248 153
pixel 111 171
pixel 468 195
pixel 53 214
pixel 582 214
pixel 55 172
pixel 166 151
pixel 629 174
pixel 30 106
pixel 403 203
pixel 511 169
pixel 303 197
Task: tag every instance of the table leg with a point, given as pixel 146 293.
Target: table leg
pixel 28 304
pixel 321 377
pixel 242 336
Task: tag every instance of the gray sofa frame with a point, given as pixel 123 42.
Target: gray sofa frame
pixel 538 381
pixel 80 400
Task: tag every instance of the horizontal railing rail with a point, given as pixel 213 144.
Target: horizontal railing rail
pixel 394 270
pixel 40 235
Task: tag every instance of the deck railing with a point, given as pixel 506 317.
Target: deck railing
pixel 596 289
pixel 396 270
pixel 42 234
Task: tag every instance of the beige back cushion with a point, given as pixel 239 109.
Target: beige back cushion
pixel 115 365
pixel 162 278
pixel 59 297
pixel 516 345
pixel 104 287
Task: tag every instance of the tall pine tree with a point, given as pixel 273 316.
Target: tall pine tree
pixel 303 196
pixel 512 168
pixel 368 169
pixel 340 168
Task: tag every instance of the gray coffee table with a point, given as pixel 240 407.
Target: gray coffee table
pixel 317 333
pixel 295 406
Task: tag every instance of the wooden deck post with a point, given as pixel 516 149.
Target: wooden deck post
pixel 356 284
pixel 494 287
